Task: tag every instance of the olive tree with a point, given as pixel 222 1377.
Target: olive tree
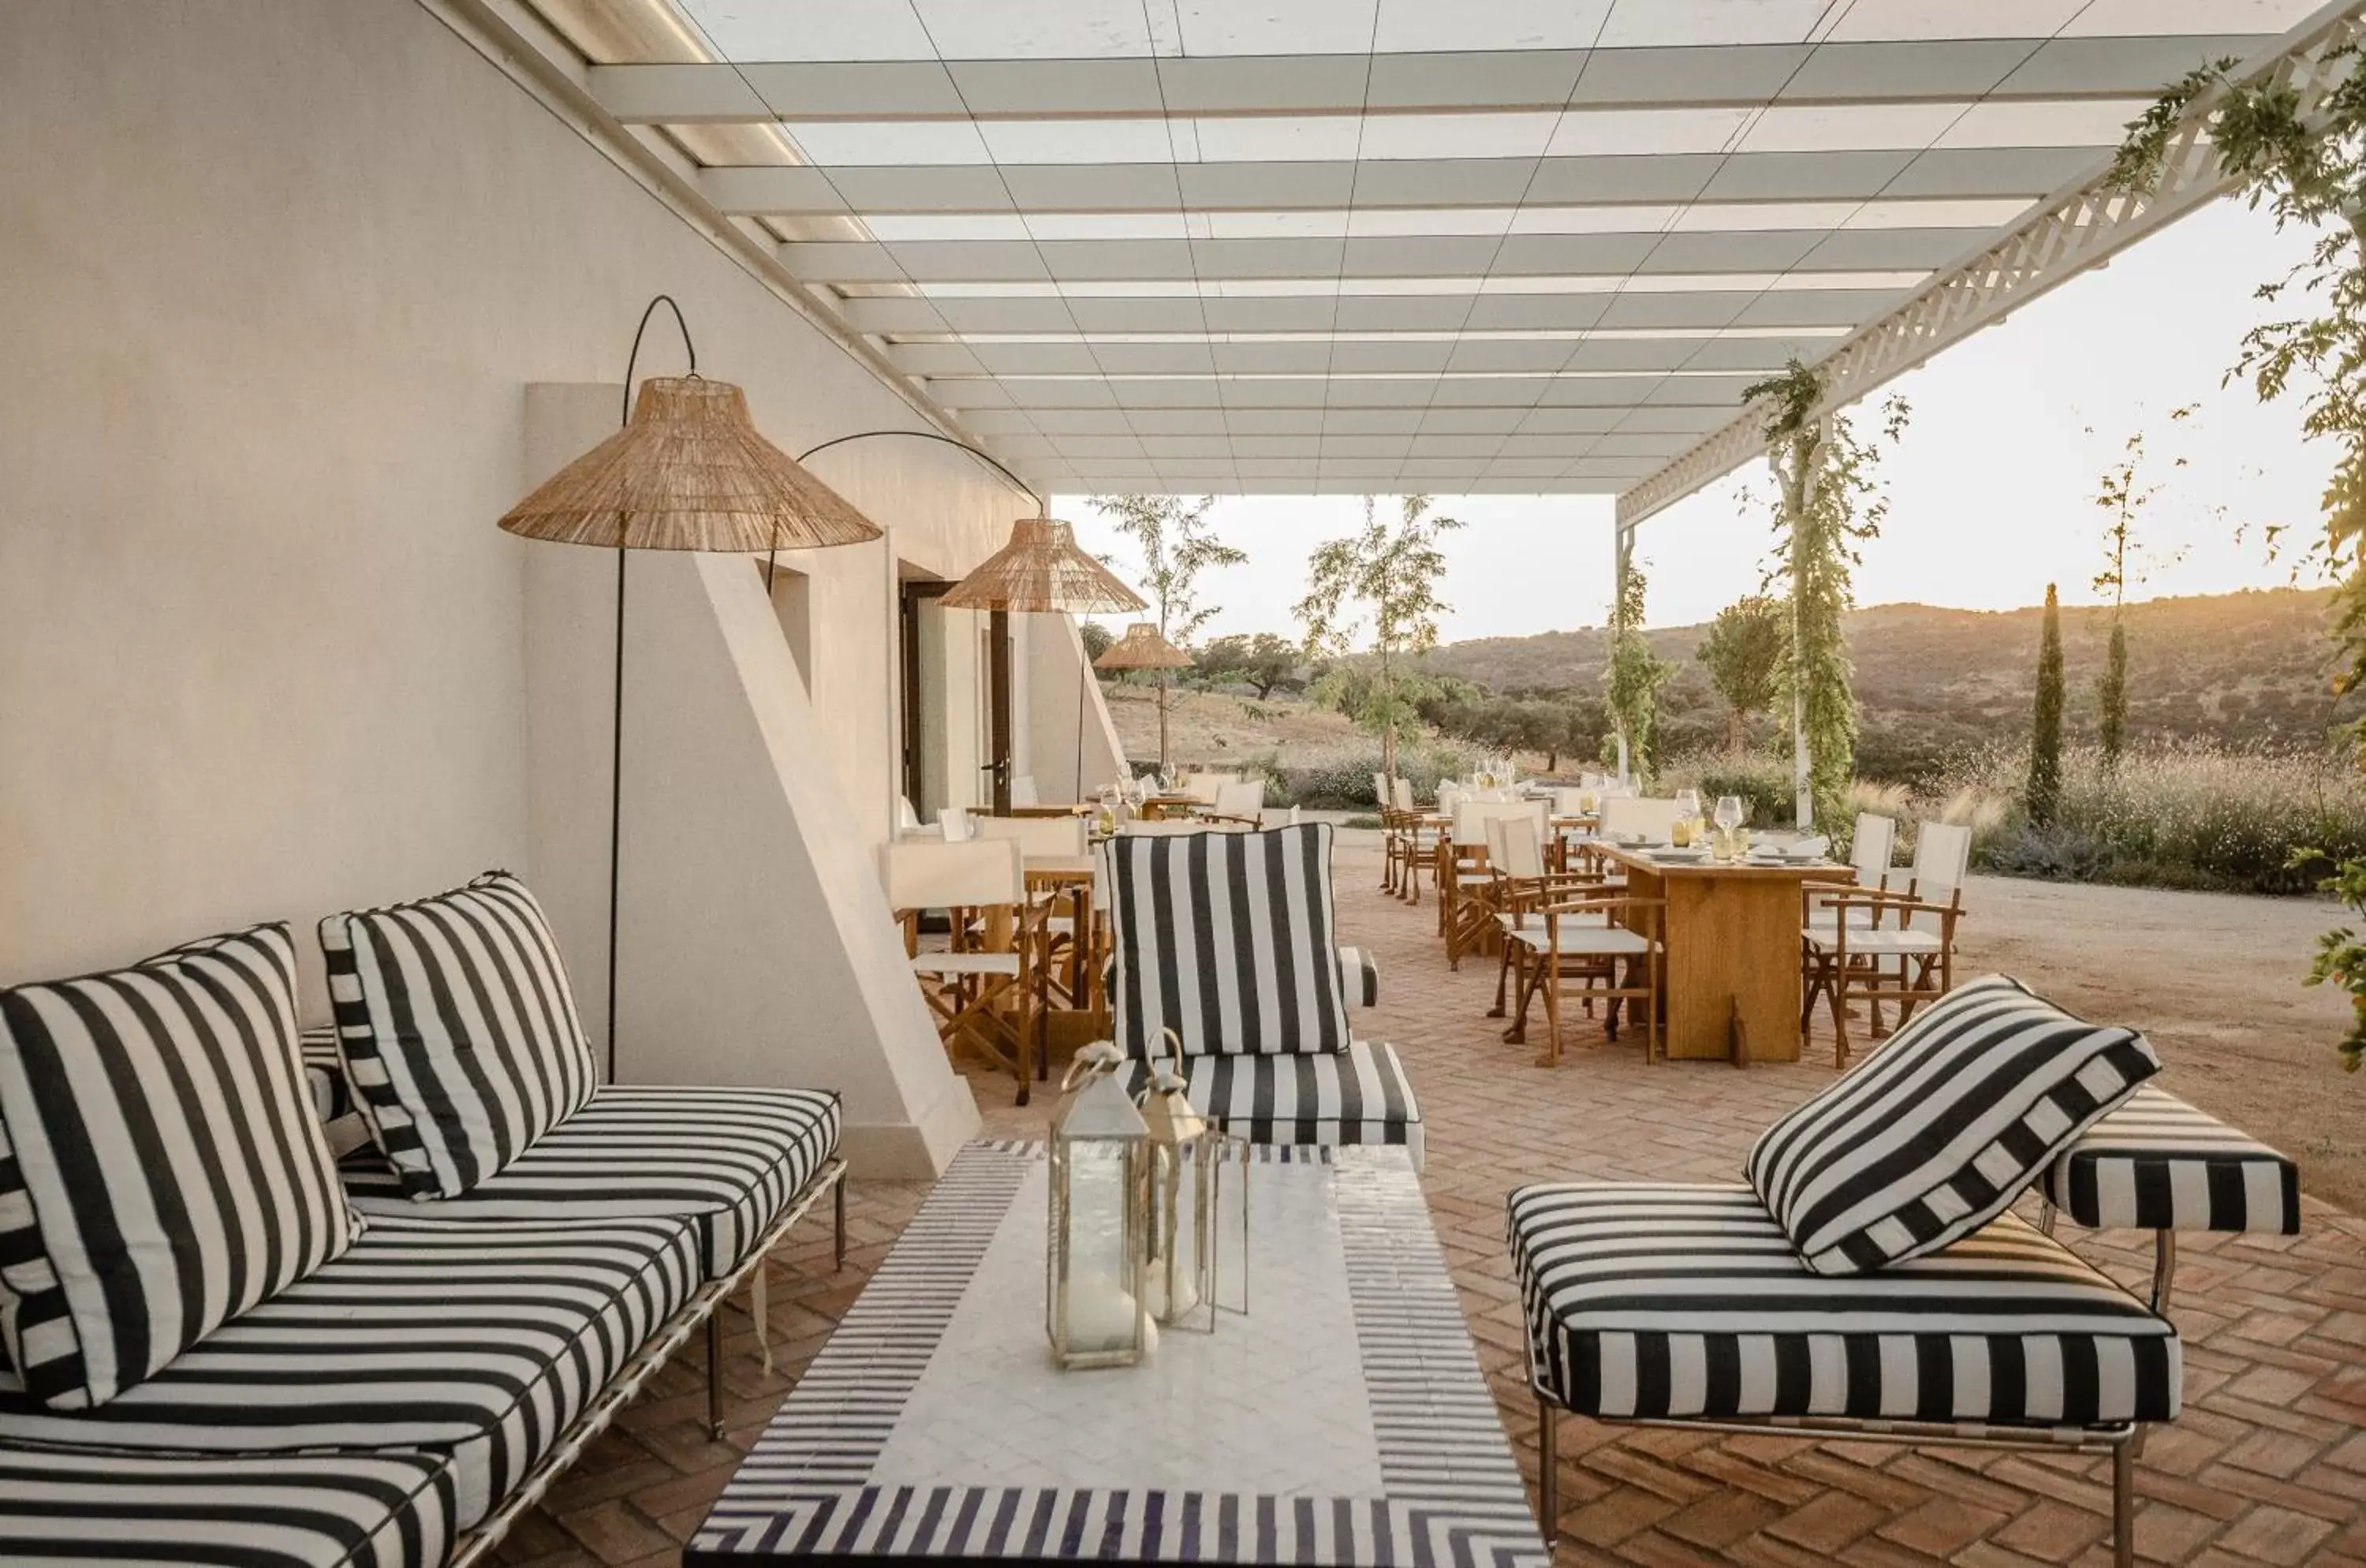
pixel 1381 580
pixel 1744 646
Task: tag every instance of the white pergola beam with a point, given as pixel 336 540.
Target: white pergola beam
pixel 2078 229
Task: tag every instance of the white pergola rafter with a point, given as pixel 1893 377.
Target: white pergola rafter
pixel 2074 232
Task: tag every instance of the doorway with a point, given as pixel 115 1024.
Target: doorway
pixel 956 681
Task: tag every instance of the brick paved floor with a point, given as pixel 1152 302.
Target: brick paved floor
pixel 2267 1465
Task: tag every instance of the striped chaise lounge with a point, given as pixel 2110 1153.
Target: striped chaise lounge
pixel 1868 1280
pixel 2157 1164
pixel 1230 941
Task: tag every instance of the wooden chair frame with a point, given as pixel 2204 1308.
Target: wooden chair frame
pixel 1646 917
pixel 1000 1017
pixel 1829 969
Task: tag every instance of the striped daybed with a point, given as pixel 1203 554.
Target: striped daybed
pixel 405 1395
pixel 1869 1280
pixel 1229 941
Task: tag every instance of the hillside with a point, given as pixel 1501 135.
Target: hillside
pixel 2241 669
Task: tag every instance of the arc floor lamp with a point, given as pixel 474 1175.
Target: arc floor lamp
pixel 687 471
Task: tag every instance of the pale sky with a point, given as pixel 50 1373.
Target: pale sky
pixel 1991 489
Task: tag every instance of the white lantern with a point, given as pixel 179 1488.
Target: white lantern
pixel 1096 1254
pixel 1188 1154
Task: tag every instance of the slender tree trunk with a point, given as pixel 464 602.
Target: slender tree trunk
pixel 1162 721
pixel 1795 502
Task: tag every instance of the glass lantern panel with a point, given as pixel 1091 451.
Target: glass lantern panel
pixel 1101 1310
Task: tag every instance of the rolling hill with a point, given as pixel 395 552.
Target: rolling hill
pixel 2237 668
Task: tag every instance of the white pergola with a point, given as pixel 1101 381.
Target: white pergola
pixel 1457 246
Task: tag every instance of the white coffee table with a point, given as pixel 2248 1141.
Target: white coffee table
pixel 1344 1421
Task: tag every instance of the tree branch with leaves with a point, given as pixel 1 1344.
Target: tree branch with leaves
pixel 2122 492
pixel 1633 674
pixel 1381 582
pixel 1173 538
pixel 1744 646
pixel 1830 502
pixel 2306 163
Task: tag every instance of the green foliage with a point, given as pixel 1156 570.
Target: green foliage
pixel 1347 784
pixel 1555 725
pixel 1379 582
pixel 1172 537
pixel 2044 793
pixel 1743 647
pixel 2310 173
pixel 1828 478
pixel 1264 661
pixel 1097 639
pixel 1760 778
pixel 2340 956
pixel 1633 676
pixel 2167 816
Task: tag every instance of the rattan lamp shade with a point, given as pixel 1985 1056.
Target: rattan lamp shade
pixel 688 472
pixel 1042 570
pixel 1143 649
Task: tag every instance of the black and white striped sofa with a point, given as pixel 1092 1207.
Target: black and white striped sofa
pixel 1870 1279
pixel 1230 941
pixel 406 1400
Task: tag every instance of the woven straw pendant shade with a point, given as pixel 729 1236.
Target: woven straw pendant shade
pixel 688 472
pixel 1042 570
pixel 1143 649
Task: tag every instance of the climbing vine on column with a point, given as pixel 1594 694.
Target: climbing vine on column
pixel 1632 679
pixel 1828 503
pixel 2306 163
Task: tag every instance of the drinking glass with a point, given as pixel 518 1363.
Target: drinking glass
pixel 1730 818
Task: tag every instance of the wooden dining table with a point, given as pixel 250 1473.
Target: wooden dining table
pixel 1731 988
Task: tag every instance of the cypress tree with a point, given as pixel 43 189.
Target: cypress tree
pixel 2111 695
pixel 2044 793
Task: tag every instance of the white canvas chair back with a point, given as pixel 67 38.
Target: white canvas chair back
pixel 1568 802
pixel 1647 815
pixel 1942 856
pixel 953 822
pixel 1202 787
pixel 1401 793
pixel 1449 795
pixel 1382 794
pixel 1512 847
pixel 1294 819
pixel 1870 846
pixel 1471 817
pixel 1063 837
pixel 968 875
pixel 1244 799
pixel 1022 790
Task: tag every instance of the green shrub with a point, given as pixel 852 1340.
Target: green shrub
pixel 1762 781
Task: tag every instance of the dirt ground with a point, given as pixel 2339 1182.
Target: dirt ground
pixel 1216 728
pixel 2214 981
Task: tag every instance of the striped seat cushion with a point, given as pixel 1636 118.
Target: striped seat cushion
pixel 1360 972
pixel 161 1171
pixel 458 1030
pixel 324 1074
pixel 729 1159
pixel 112 1510
pixel 2158 1163
pixel 1356 1096
pixel 1649 1301
pixel 1938 1131
pixel 1228 939
pixel 478 1340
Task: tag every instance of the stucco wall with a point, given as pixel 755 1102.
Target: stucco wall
pixel 278 278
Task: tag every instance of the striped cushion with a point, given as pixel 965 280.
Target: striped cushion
pixel 324 1074
pixel 1667 1301
pixel 1360 972
pixel 377 1510
pixel 1356 1096
pixel 480 1339
pixel 2158 1163
pixel 729 1159
pixel 1940 1129
pixel 1227 939
pixel 460 1036
pixel 160 1172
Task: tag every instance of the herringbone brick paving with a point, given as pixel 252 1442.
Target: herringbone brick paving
pixel 2267 1465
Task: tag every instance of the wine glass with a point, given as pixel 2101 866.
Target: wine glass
pixel 1730 818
